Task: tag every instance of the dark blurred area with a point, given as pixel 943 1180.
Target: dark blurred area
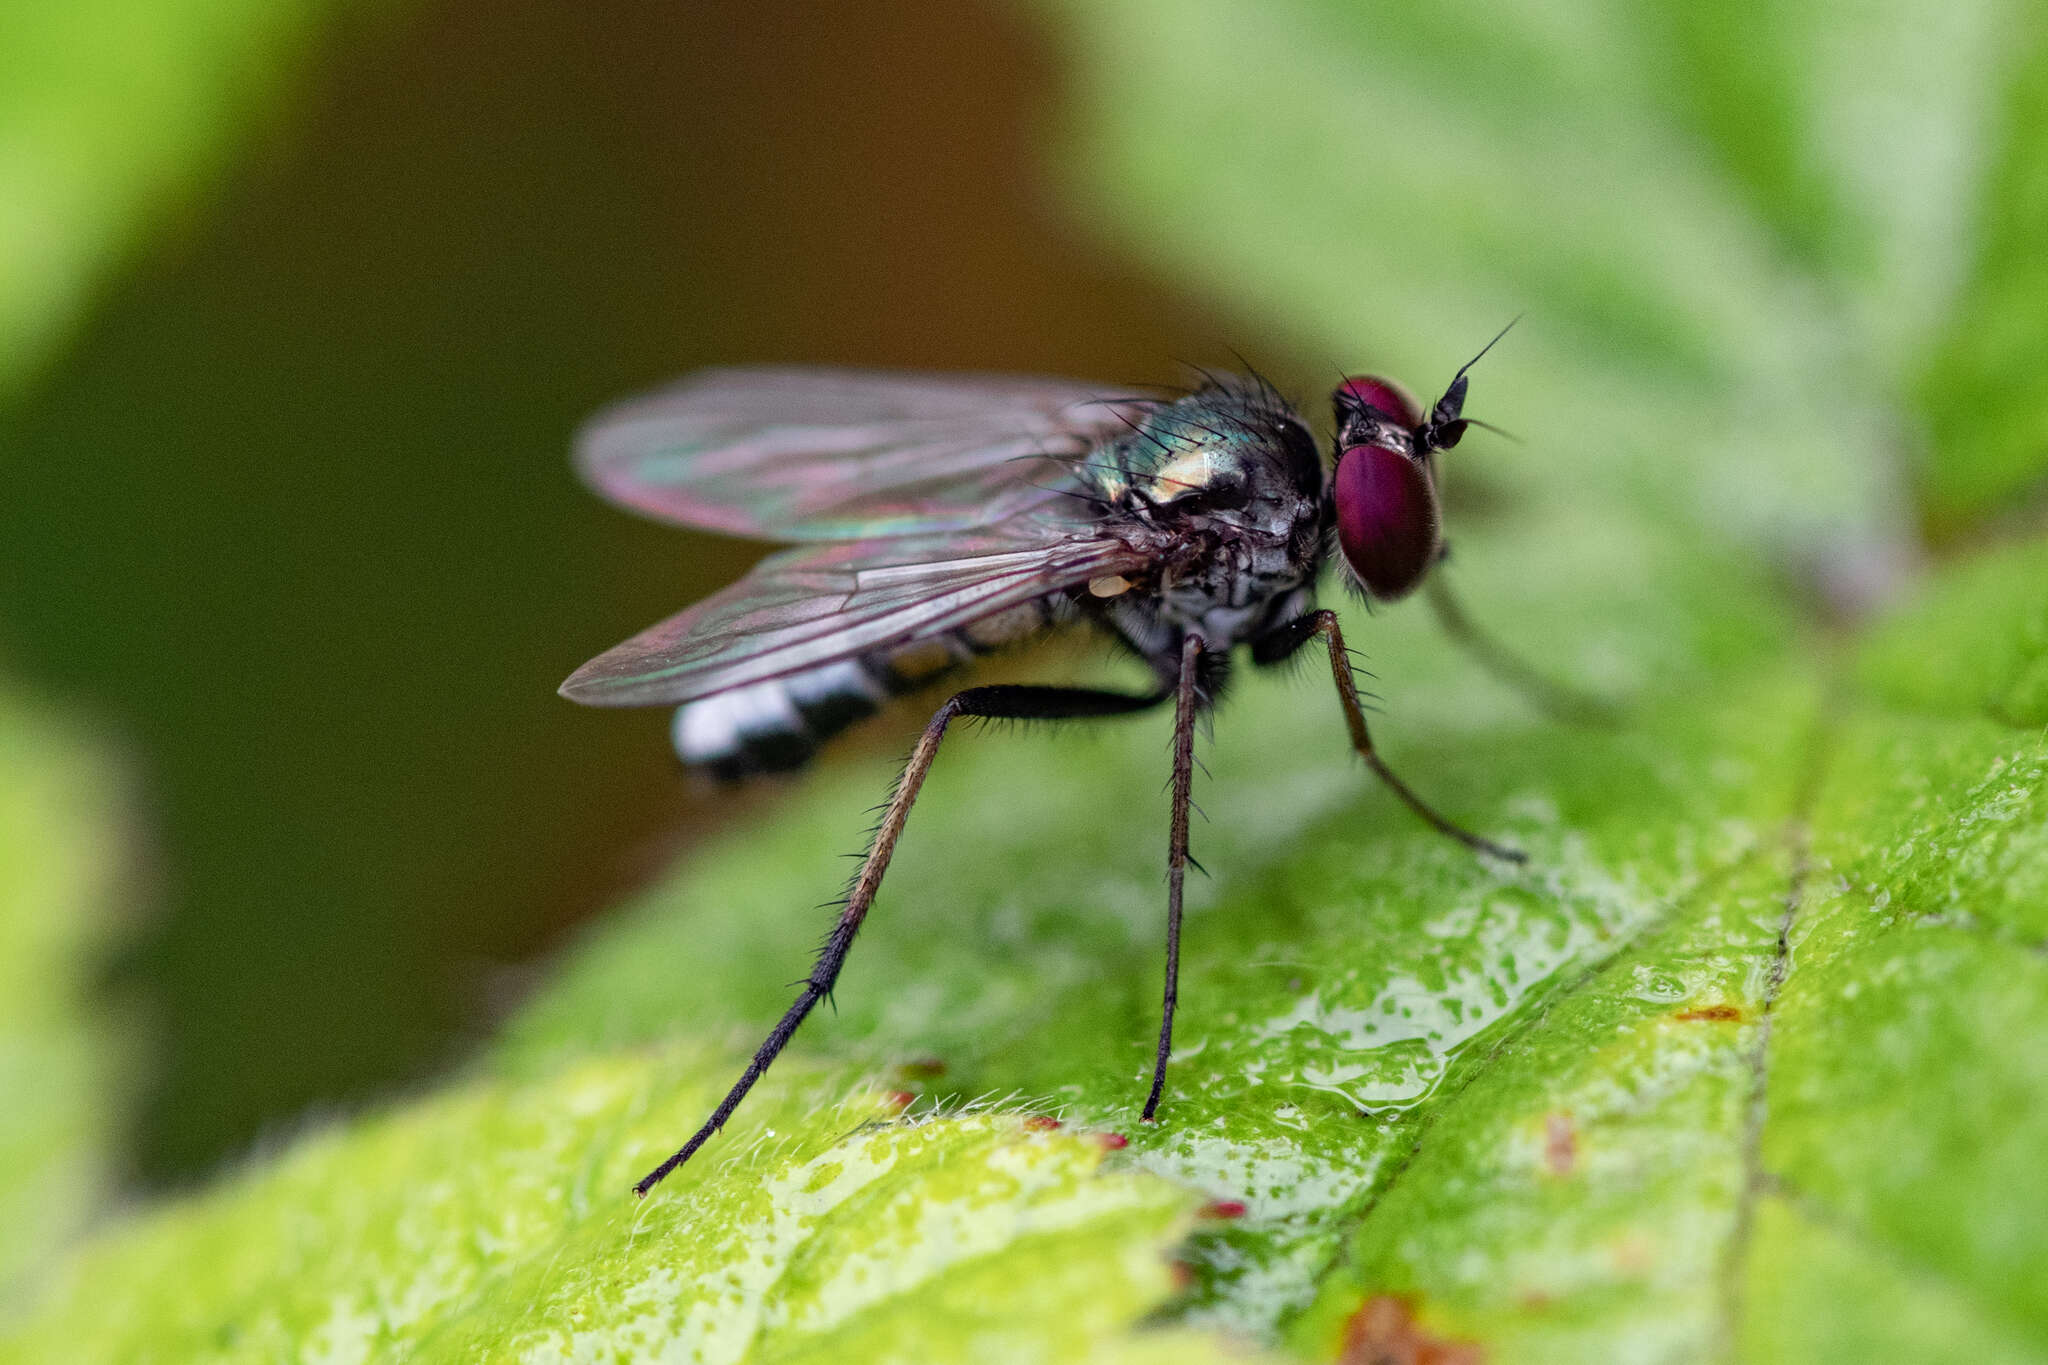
pixel 294 517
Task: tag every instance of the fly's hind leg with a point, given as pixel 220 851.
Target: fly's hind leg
pixel 995 703
pixel 1297 633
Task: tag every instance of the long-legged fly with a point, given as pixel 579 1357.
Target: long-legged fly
pixel 939 517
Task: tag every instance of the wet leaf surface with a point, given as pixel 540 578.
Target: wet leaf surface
pixel 494 1222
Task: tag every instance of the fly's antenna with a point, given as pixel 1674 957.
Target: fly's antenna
pixel 1487 347
pixel 1501 432
pixel 1446 424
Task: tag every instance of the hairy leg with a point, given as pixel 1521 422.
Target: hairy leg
pixel 1176 854
pixel 1297 633
pixel 996 703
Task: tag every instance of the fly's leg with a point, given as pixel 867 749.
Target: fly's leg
pixel 1546 695
pixel 1176 855
pixel 1298 632
pixel 996 703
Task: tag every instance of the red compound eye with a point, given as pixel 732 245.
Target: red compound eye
pixel 1387 522
pixel 1364 401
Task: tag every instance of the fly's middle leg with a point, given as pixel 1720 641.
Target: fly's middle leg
pixel 1545 693
pixel 1176 854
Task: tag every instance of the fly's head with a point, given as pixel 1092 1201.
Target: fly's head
pixel 1375 411
pixel 1383 496
pixel 1384 504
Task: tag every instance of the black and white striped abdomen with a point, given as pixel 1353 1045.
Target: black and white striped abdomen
pixel 777 725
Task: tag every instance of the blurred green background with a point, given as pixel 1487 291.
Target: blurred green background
pixel 302 306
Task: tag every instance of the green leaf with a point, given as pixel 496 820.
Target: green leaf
pixel 1984 399
pixel 113 114
pixel 1975 643
pixel 493 1222
pixel 1745 1062
pixel 59 855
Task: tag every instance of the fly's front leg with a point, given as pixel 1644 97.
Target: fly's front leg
pixel 1299 632
pixel 995 703
pixel 1547 695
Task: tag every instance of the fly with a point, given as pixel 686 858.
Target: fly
pixel 940 517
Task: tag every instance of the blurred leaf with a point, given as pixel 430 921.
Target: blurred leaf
pixel 113 112
pixel 1985 391
pixel 1975 642
pixel 59 851
pixel 1767 254
pixel 1747 1060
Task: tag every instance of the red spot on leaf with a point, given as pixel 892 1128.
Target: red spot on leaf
pixel 1560 1144
pixel 1715 1014
pixel 1041 1123
pixel 902 1099
pixel 1114 1142
pixel 1384 1332
pixel 1223 1208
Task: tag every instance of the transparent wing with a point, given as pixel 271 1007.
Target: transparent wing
pixel 824 454
pixel 817 604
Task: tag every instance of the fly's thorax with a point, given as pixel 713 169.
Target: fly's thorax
pixel 1225 489
pixel 1234 451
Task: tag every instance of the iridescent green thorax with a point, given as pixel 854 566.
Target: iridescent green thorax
pixel 1217 437
pixel 1223 489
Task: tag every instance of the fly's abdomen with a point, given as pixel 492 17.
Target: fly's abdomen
pixel 774 726
pixel 777 725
